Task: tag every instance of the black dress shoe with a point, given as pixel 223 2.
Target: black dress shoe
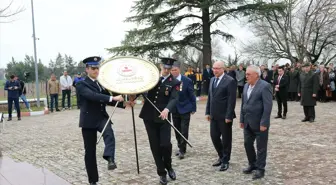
pixel 177 153
pixel 224 167
pixel 284 117
pixel 93 183
pixel 181 156
pixel 311 120
pixel 217 163
pixel 163 180
pixel 278 116
pixel 172 174
pixel 9 119
pixel 258 174
pixel 249 169
pixel 111 165
pixel 19 119
pixel 304 120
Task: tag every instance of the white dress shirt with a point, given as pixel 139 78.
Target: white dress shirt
pixel 250 89
pixel 66 82
pixel 219 79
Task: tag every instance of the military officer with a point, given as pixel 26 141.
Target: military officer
pixel 93 117
pixel 164 96
pixel 307 90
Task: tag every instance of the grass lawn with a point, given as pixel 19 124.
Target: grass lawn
pixel 2 83
pixel 26 110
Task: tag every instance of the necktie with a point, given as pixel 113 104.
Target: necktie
pixel 161 79
pixel 279 80
pixel 215 82
pixel 100 89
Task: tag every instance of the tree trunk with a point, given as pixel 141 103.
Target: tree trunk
pixel 206 50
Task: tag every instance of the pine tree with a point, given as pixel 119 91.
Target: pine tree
pixel 161 19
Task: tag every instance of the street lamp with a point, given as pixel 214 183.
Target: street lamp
pixel 35 56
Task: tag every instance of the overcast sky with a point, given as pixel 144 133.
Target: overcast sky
pixel 79 28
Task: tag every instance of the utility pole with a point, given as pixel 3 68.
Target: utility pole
pixel 35 56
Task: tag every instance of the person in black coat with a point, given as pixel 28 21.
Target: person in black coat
pixel 281 83
pixel 93 117
pixel 164 96
pixel 207 75
pixel 13 87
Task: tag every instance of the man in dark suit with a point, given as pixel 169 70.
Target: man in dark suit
pixel 207 75
pixel 13 87
pixel 281 84
pixel 220 112
pixel 307 90
pixel 164 96
pixel 185 106
pixel 255 115
pixel 93 117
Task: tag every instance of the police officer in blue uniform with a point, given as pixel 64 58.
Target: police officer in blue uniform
pixel 93 117
pixel 185 107
pixel 164 96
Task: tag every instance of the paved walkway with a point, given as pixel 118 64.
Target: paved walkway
pixel 299 153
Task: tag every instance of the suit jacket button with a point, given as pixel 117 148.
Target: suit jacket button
pixel 154 101
pixel 157 92
pixel 155 97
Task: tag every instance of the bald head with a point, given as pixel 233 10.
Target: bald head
pixel 219 64
pixel 218 68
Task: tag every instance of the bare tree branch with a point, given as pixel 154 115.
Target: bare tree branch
pixel 6 13
pixel 303 31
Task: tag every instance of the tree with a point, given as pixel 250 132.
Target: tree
pixel 162 19
pixel 193 57
pixel 304 30
pixel 59 65
pixel 6 13
pixel 70 65
pixel 27 66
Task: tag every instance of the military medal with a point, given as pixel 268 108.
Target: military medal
pixel 166 92
pixel 181 86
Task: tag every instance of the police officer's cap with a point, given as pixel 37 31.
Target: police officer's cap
pixel 92 61
pixel 167 62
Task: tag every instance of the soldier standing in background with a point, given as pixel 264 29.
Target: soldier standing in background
pixel 307 90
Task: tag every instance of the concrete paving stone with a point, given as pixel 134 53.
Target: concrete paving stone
pixel 298 153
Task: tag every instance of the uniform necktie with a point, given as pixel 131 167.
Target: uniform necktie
pixel 161 79
pixel 100 89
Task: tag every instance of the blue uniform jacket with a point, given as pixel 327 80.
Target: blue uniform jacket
pixel 187 100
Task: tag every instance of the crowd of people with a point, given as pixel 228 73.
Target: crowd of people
pixel 175 95
pixel 325 73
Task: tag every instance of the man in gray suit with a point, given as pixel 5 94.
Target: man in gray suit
pixel 255 115
pixel 220 112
